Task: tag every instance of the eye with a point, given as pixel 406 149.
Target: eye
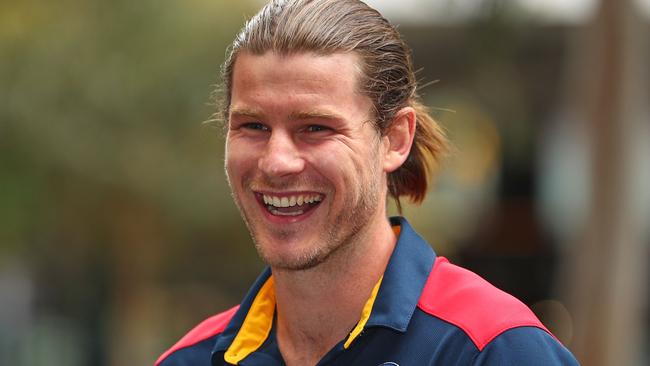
pixel 316 128
pixel 255 126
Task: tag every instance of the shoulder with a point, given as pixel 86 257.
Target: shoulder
pixel 525 346
pixel 469 302
pixel 206 329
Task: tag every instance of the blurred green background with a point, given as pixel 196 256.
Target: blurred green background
pixel 118 232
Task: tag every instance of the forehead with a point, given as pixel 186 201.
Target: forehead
pixel 299 79
pixel 297 64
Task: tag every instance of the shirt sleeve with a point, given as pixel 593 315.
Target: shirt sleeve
pixel 525 346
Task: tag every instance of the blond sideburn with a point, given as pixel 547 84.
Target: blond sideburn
pixel 387 77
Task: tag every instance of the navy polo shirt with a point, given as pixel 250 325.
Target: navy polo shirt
pixel 423 311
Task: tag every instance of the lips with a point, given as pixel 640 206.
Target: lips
pixel 289 205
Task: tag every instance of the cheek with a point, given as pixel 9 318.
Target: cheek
pixel 344 167
pixel 238 159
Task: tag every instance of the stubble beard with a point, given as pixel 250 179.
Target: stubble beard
pixel 338 235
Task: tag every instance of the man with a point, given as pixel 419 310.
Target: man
pixel 323 124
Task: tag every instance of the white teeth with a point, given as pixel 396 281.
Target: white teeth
pixel 290 201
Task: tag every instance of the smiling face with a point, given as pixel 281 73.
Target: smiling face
pixel 303 159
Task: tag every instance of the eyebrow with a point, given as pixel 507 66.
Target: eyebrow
pixel 315 114
pixel 246 112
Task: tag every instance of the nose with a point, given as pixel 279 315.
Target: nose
pixel 281 156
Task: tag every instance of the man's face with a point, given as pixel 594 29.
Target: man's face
pixel 303 158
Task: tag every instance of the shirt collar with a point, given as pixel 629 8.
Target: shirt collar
pixel 248 306
pixel 392 303
pixel 404 279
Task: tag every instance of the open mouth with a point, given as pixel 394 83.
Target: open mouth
pixel 289 205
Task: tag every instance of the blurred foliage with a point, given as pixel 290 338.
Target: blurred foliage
pixel 103 103
pixel 110 180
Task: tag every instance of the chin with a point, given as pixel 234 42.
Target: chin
pixel 292 259
pixel 293 264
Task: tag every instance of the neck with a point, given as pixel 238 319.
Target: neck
pixel 318 307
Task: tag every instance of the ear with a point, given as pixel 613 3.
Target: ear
pixel 399 138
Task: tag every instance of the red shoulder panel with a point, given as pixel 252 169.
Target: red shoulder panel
pixel 206 329
pixel 462 298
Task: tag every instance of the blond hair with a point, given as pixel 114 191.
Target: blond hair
pixel 387 78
